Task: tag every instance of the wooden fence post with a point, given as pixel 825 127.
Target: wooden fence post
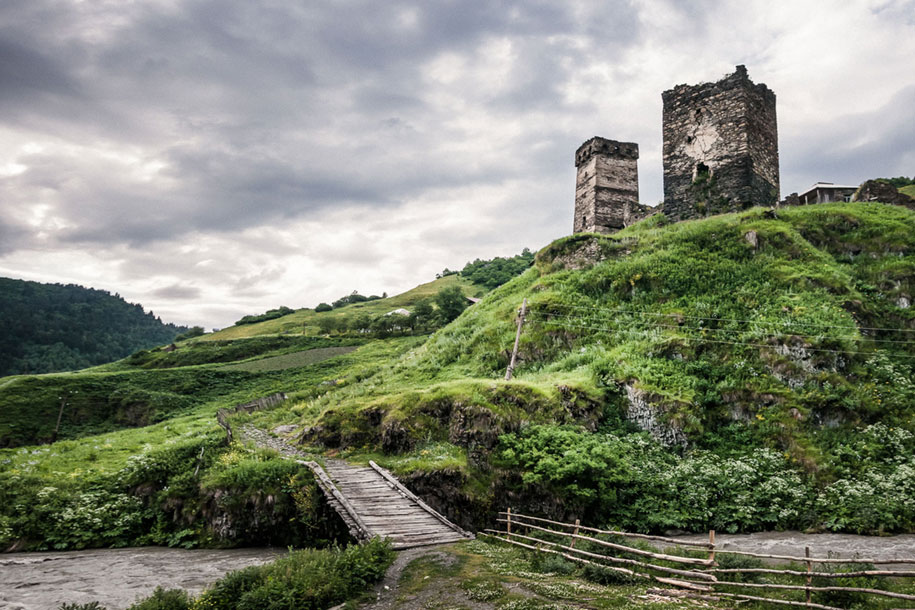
pixel 809 572
pixel 199 462
pixel 508 521
pixel 60 414
pixel 575 533
pixel 511 364
pixel 711 541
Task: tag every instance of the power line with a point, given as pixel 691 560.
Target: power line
pixel 706 340
pixel 548 317
pixel 677 315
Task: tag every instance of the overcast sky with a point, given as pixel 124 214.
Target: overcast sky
pixel 215 158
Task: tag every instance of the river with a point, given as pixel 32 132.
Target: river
pixel 118 577
pixel 115 578
pixel 846 546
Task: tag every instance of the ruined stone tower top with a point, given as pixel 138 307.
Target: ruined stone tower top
pixel 607 186
pixel 720 147
pixel 603 146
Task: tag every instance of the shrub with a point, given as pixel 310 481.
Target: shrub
pixel 552 564
pixel 606 575
pixel 846 599
pixel 303 580
pixel 164 599
pixel 323 307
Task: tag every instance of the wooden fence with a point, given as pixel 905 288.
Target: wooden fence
pixel 696 574
pixel 222 415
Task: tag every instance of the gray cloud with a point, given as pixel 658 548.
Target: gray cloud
pixel 261 113
pixel 851 149
pixel 237 147
pixel 177 292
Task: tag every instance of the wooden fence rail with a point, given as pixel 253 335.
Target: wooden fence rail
pixel 222 415
pixel 698 575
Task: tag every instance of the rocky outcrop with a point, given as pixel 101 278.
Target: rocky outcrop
pixel 877 190
pixel 651 417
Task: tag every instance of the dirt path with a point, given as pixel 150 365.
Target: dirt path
pixel 438 591
pixel 386 592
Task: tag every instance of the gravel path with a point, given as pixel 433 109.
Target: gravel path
pixel 264 439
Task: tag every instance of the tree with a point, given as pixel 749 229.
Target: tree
pixel 382 326
pixel 497 271
pixel 422 314
pixel 194 331
pixel 451 302
pixel 327 324
pixel 323 307
pixel 361 323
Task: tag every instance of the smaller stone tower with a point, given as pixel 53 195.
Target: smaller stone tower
pixel 607 188
pixel 720 147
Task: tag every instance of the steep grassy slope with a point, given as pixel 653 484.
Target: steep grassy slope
pixel 908 190
pixel 769 355
pixel 51 327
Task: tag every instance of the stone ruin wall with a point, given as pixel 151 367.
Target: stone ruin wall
pixel 728 127
pixel 607 186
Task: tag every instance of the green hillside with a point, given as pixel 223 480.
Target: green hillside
pixel 52 327
pixel 307 320
pixel 744 372
pixel 908 190
pixel 769 355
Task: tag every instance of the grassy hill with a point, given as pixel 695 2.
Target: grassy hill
pixel 52 327
pixel 743 372
pixel 306 320
pixel 767 355
pixel 908 190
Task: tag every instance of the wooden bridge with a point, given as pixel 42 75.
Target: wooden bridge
pixel 374 503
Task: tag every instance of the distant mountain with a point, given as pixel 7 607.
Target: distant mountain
pixel 51 327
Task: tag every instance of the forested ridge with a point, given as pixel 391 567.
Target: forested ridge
pixel 55 327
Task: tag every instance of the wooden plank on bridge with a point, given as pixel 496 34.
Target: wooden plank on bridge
pixel 372 502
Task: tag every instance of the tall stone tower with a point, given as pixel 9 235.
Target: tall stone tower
pixel 720 147
pixel 607 187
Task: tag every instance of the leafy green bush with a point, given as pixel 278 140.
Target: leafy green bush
pixel 164 599
pixel 549 563
pixel 733 562
pixel 304 580
pixel 636 483
pixel 846 599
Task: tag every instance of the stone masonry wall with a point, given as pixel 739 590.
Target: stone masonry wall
pixel 720 147
pixel 607 186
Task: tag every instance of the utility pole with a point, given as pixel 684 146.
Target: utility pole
pixel 511 364
pixel 60 414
